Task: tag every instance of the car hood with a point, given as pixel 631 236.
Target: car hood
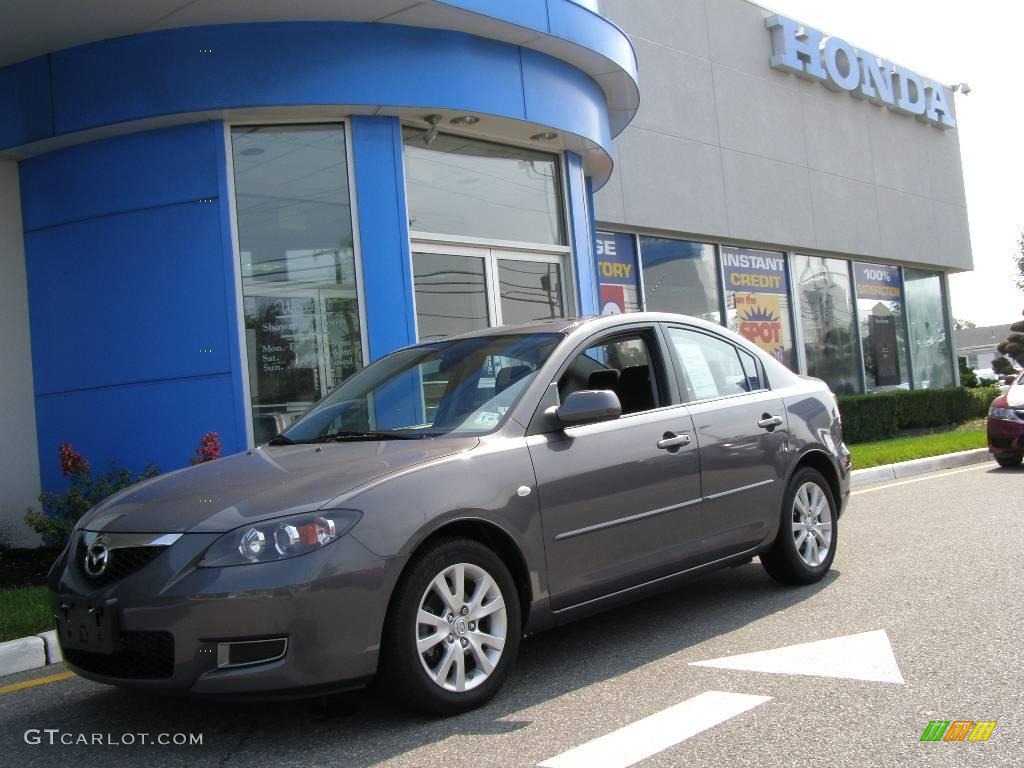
pixel 268 482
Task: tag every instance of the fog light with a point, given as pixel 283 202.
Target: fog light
pixel 244 653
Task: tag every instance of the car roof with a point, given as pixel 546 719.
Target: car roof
pixel 592 322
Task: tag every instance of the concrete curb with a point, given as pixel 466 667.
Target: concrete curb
pixel 917 467
pixel 30 652
pixel 39 650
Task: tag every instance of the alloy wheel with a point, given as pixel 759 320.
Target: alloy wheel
pixel 461 627
pixel 812 524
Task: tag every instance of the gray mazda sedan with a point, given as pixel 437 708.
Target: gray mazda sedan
pixel 450 498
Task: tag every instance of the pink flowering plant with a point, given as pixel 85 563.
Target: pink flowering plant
pixel 60 511
pixel 209 449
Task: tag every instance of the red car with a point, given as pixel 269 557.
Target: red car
pixel 1006 426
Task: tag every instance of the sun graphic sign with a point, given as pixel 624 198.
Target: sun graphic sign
pixel 760 321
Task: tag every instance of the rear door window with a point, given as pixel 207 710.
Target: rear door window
pixel 711 367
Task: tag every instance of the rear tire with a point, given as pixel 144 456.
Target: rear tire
pixel 453 629
pixel 808 531
pixel 1009 461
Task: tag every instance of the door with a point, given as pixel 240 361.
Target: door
pixel 618 509
pixel 741 431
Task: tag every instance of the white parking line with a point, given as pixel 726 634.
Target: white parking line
pixel 647 737
pixel 921 479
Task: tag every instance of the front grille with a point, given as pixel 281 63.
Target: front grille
pixel 141 656
pixel 122 562
pixel 1003 443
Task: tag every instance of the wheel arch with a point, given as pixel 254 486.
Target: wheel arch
pixel 820 461
pixel 492 536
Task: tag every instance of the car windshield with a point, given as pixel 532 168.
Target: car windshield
pixel 459 387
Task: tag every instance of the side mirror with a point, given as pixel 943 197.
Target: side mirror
pixel 589 406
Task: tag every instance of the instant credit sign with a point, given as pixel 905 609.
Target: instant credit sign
pixel 757 282
pixel 751 270
pixel 877 282
pixel 616 273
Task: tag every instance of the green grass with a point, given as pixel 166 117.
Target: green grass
pixel 24 611
pixel 963 438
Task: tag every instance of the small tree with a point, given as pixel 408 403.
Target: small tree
pixel 1003 367
pixel 968 378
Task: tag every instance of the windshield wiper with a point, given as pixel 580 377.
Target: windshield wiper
pixel 346 435
pixel 281 440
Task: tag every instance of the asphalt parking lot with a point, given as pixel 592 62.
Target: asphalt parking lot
pixel 923 607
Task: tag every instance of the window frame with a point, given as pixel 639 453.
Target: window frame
pixel 684 384
pixel 491 254
pixel 229 127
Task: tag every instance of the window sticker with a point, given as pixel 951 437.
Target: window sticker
pixel 488 419
pixel 697 369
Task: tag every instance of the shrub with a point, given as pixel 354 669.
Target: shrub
pixel 880 416
pixel 61 511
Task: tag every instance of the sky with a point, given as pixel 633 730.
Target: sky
pixel 978 43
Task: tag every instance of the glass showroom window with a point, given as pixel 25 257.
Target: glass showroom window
pixel 757 299
pixel 881 314
pixel 827 321
pixel 488 235
pixel 680 276
pixel 299 289
pixel 929 337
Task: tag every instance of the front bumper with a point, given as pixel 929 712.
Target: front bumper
pixel 173 617
pixel 1005 438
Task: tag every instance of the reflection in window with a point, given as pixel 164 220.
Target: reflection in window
pixel 530 290
pixel 680 276
pixel 880 312
pixel 826 317
pixel 470 188
pixel 451 294
pixel 298 268
pixel 926 311
pixel 757 299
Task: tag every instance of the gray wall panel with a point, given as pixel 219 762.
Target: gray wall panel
pixel 679 24
pixel 767 200
pixel 19 458
pixel 759 117
pixel 845 214
pixel 678 97
pixel 905 226
pixel 672 184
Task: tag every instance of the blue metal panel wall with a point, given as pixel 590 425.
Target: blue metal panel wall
pixel 384 233
pixel 131 299
pixel 581 233
pixel 294 63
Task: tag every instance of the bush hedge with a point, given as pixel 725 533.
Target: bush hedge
pixel 883 415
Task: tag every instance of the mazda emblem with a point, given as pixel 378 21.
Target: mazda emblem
pixel 97 557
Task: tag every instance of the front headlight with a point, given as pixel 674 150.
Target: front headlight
pixel 1002 413
pixel 279 539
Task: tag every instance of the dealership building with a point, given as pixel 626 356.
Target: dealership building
pixel 212 212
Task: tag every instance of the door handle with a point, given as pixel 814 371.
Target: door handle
pixel 672 440
pixel 769 422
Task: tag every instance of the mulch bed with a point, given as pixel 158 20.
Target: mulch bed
pixel 26 567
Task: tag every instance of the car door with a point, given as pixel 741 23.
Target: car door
pixel 617 508
pixel 742 434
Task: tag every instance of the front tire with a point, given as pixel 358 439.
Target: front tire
pixel 808 532
pixel 1009 462
pixel 453 630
